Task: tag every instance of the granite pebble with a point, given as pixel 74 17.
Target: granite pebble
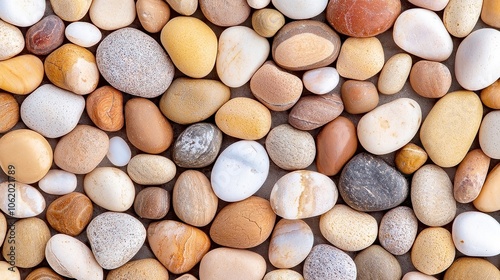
pixel 398 230
pixel 197 146
pixel 327 262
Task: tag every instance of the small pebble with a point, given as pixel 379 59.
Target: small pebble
pixel 410 158
pixel 184 7
pixel 266 22
pixel 328 262
pixel 119 152
pixel 152 14
pixel 10 112
pixel 11 42
pixel 376 263
pixel 3 227
pixel 459 17
pixel 83 34
pixel 105 108
pixel 433 5
pixel 29 202
pixel 58 182
pixel 290 243
pixel 416 275
pixel 488 134
pixel 146 169
pixel 314 111
pixel 21 74
pixel 228 263
pixel 360 58
pixel 470 176
pixel 394 74
pixel 359 97
pixel 490 13
pixel 45 36
pixel 472 268
pixel 433 251
pixel 105 14
pixel 142 269
pixel 321 80
pixel 225 13
pixel 70 213
pixel 475 234
pixel 300 9
pixel 43 273
pixel 152 203
pixel 430 79
pixel 73 11
pixel 22 13
pixel 7 273
pixel 487 200
pixel 282 274
pixel 397 230
pixel 186 277
pixel 490 96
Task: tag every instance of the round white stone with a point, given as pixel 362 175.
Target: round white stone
pixel 58 182
pixel 84 34
pixel 321 80
pixel 300 9
pixel 11 40
pixel 258 4
pixel 489 135
pixel 22 13
pixel 476 234
pixel 433 5
pixel 119 152
pixel 19 200
pixel 240 170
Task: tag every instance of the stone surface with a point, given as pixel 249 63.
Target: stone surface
pixel 410 158
pixel 105 14
pixel 300 9
pixel 231 263
pixel 490 96
pixel 58 182
pixel 143 269
pixel 321 80
pixel 20 200
pixel 43 273
pixel 290 243
pixel 328 262
pixel 459 17
pixel 45 36
pixel 376 263
pixel 488 134
pixel 490 13
pixel 145 169
pixel 280 274
pixel 314 111
pixel 21 74
pixel 8 273
pixel 225 12
pixel 197 146
pixel 266 22
pixel 70 213
pixel 3 227
pixel 10 112
pixel 152 14
pixel 359 97
pixel 119 152
pixel 433 5
pixel 488 199
pixel 184 7
pixel 73 11
pixel 430 79
pixel 475 234
pixel 186 276
pixel 433 251
pixel 416 275
pixel 152 203
pixel 394 74
pixel 258 4
pixel 83 34
pixel 11 42
pixel 470 176
pixel 397 230
pixel 472 268
pixel 360 58
pixel 105 108
pixel 22 13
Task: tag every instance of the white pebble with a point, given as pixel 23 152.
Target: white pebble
pixel 83 34
pixel 19 200
pixel 476 234
pixel 300 9
pixel 22 13
pixel 112 14
pixel 321 80
pixel 58 182
pixel 258 4
pixel 119 153
pixel 433 5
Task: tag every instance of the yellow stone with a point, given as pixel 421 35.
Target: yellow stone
pixel 488 199
pixel 21 74
pixel 490 13
pixel 70 10
pixel 433 251
pixel 266 22
pixel 472 268
pixel 410 158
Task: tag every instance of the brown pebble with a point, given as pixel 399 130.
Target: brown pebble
pixel 376 263
pixel 143 269
pixel 470 176
pixel 43 273
pixel 45 36
pixel 152 14
pixel 359 96
pixel 430 79
pixel 225 12
pixel 10 112
pixel 491 95
pixel 152 203
pixel 314 111
pixel 410 158
pixel 70 213
pixel 105 108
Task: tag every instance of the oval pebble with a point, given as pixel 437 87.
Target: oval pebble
pixel 105 14
pixel 394 74
pixel 8 273
pixel 21 74
pixel 197 146
pixel 231 263
pixel 83 34
pixel 28 201
pixel 184 7
pixel 397 230
pixel 376 263
pixel 359 96
pixel 410 158
pixel 433 251
pixel 430 79
pixel 43 273
pixel 416 275
pixel 105 108
pixel 152 14
pixel 314 111
pixel 328 262
pixel 148 268
pixel 490 95
pixel 74 12
pixel 266 22
pixel 472 268
pixel 433 5
pixel 10 109
pixel 22 13
pixel 12 41
pixel 258 4
pixel 225 13
pixel 360 58
pixel 488 134
pixel 146 169
pixel 152 203
pixel 475 234
pixel 290 243
pixel 45 36
pixel 459 17
pixel 321 80
pixel 70 213
pixel 280 274
pixel 119 152
pixel 58 182
pixel 487 200
pixel 300 9
pixel 470 176
pixel 490 13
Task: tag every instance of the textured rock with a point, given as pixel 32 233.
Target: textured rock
pixel 145 169
pixel 142 269
pixel 70 214
pixel 21 74
pixel 433 251
pixel 470 176
pixel 410 158
pixel 105 108
pixel 475 234
pixel 290 243
pixel 11 42
pixel 359 96
pixel 328 262
pixel 394 74
pixel 311 112
pixel 10 112
pixel 430 79
pixel 397 230
pixel 152 14
pixel 197 146
pixel 73 11
pixel 152 203
pixel 83 34
pixel 360 58
pixel 105 14
pixel 231 263
pixel 472 268
pixel 266 22
pixel 459 17
pixel 376 263
pixel 45 36
pixel 225 12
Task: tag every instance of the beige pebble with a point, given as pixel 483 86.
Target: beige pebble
pixel 12 41
pixel 152 203
pixel 314 111
pixel 225 12
pixel 430 79
pixel 43 273
pixel 460 17
pixel 283 274
pixel 291 242
pixel 394 74
pixel 416 275
pixel 466 268
pixel 152 14
pixel 112 14
pixel 145 169
pixel 143 269
pixel 28 201
pixel 470 176
pixel 8 272
pixel 71 11
pixel 359 96
pixel 433 251
pixel 186 277
pixel 184 7
pixel 3 227
pixel 105 108
pixel 266 22
pixel 228 263
pixel 376 263
pixel 360 58
pixel 10 112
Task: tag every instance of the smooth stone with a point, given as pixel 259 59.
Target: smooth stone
pixel 321 80
pixel 303 194
pixel 71 258
pixel 21 74
pixel 490 13
pixel 184 7
pixel 45 36
pixel 81 150
pixel 191 44
pixel 416 275
pixel 105 108
pixel 336 143
pixel 376 263
pixel 110 188
pixel 189 101
pixel 390 126
pixel 433 5
pixel 348 229
pixel 10 112
pixel 73 11
pixel 433 251
pixel 142 269
pixel 422 33
pixel 228 263
pixel 276 88
pixel 7 273
pixel 115 238
pixel 305 45
pixel 314 111
pixel 459 17
pixel 70 213
pixel 22 13
pixel 300 9
pixel 398 229
pixel 197 146
pixel 52 111
pixel 472 268
pixel 290 243
pixel 186 276
pixel 488 199
pixel 470 176
pixel 193 199
pixel 12 41
pixel 368 184
pixel 490 96
pixel 477 64
pixel 152 14
pixel 112 14
pixel 266 22
pixel 28 201
pixel 450 127
pixel 152 203
pixel 58 182
pixel 179 247
pixel 154 138
pixel 410 158
pixel 83 34
pixel 281 274
pixel 359 97
pixel 290 148
pixel 3 227
pixel 394 74
pixel 430 79
pixel 141 69
pixel 488 133
pixel 250 49
pixel 475 234
pixel 258 4
pixel 25 155
pixel 328 262
pixel 145 169
pixel 43 273
pixel 240 170
pixel 225 13
pixel 360 58
pixel 119 152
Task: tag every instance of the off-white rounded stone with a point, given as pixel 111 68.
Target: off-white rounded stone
pixel 58 182
pixel 11 40
pixel 22 13
pixel 112 14
pixel 119 152
pixel 19 200
pixel 476 234
pixel 321 80
pixel 82 33
pixel 394 74
pixel 300 9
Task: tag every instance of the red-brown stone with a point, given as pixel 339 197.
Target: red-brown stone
pixel 45 36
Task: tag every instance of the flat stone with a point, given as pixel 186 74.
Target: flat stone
pixel 375 262
pixel 70 213
pixel 475 234
pixel 470 176
pixel 397 230
pixel 45 36
pixel 328 262
pixel 197 146
pixel 314 111
pixel 291 242
pixel 433 251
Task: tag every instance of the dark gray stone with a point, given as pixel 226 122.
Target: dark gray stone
pixel 197 146
pixel 328 262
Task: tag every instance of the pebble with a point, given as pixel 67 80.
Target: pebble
pixel 410 158
pixel 152 14
pixel 110 188
pixel 359 97
pixel 348 229
pixel 282 274
pixel 433 5
pixel 152 203
pixel 71 258
pixel 145 169
pixel 303 194
pixel 184 7
pixel 142 269
pixel 228 263
pixel 141 69
pixel 258 4
pixel 119 152
pixel 10 112
pixel 472 268
pixel 459 17
pixel 336 144
pixel 376 263
pixel 397 230
pixel 52 111
pixel 225 13
pixel 368 183
pixel 488 133
pixel 394 74
pixel 189 101
pixel 490 96
pixel 179 247
pixel 290 243
pixel 70 213
pixel 58 182
pixel 266 22
pixel 360 58
pixel 416 275
pixel 450 127
pixel 421 32
pixel 45 36
pixel 276 88
pixel 193 199
pixel 3 227
pixel 154 138
pixel 81 150
pixel 321 80
pixel 43 273
pixel 105 108
pixel 105 14
pixel 29 202
pixel 197 146
pixel 22 13
pixel 21 74
pixel 488 199
pixel 475 234
pixel 71 12
pixel 430 79
pixel 11 42
pixel 243 224
pixel 433 251
pixel 191 44
pixel 83 34
pixel 300 9
pixel 314 111
pixel 27 155
pixel 186 277
pixel 305 45
pixel 7 273
pixel 490 13
pixel 240 170
pixel 470 176
pixel 115 238
pixel 477 64
pixel 328 262
pixel 290 148
pixel 244 118
pixel 249 47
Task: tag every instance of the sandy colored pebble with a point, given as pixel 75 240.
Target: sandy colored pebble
pixel 12 41
pixel 490 13
pixel 152 14
pixel 283 274
pixel 360 58
pixel 488 199
pixel 3 227
pixel 142 269
pixel 460 17
pixel 10 112
pixel 359 96
pixel 110 188
pixel 430 79
pixel 433 251
pixel 433 5
pixel 8 273
pixel 488 134
pixel 152 203
pixel 228 263
pixel 466 268
pixel 410 158
pixel 184 7
pixel 71 11
pixel 470 176
pixel 225 12
pixel 70 214
pixel 416 275
pixel 112 14
pixel 105 108
pixel 43 273
pixel 21 74
pixel 490 96
pixel 145 169
pixel 394 74
pixel 376 263
pixel 314 111
pixel 266 22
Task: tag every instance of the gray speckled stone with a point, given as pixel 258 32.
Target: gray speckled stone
pixel 197 146
pixel 368 183
pixel 133 62
pixel 376 263
pixel 328 262
pixel 398 230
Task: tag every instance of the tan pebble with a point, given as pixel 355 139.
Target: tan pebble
pixel 147 169
pixel 394 74
pixel 70 213
pixel 225 12
pixel 359 96
pixel 360 58
pixel 490 96
pixel 21 74
pixel 105 108
pixel 416 275
pixel 186 277
pixel 488 199
pixel 410 158
pixel 430 79
pixel 266 22
pixel 3 227
pixel 490 13
pixel 466 268
pixel 10 112
pixel 12 41
pixel 112 14
pixel 283 274
pixel 152 203
pixel 433 251
pixel 376 263
pixel 43 273
pixel 143 269
pixel 184 7
pixel 152 14
pixel 291 242
pixel 228 263
pixel 470 176
pixel 311 112
pixel 8 272
pixel 460 17
pixel 70 11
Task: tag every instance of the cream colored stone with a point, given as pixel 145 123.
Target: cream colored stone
pixel 184 7
pixel 460 17
pixel 71 10
pixel 11 40
pixel 228 263
pixel 433 251
pixel 394 74
pixel 112 14
pixel 360 58
pixel 145 169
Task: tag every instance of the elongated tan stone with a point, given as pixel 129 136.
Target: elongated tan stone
pixel 21 74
